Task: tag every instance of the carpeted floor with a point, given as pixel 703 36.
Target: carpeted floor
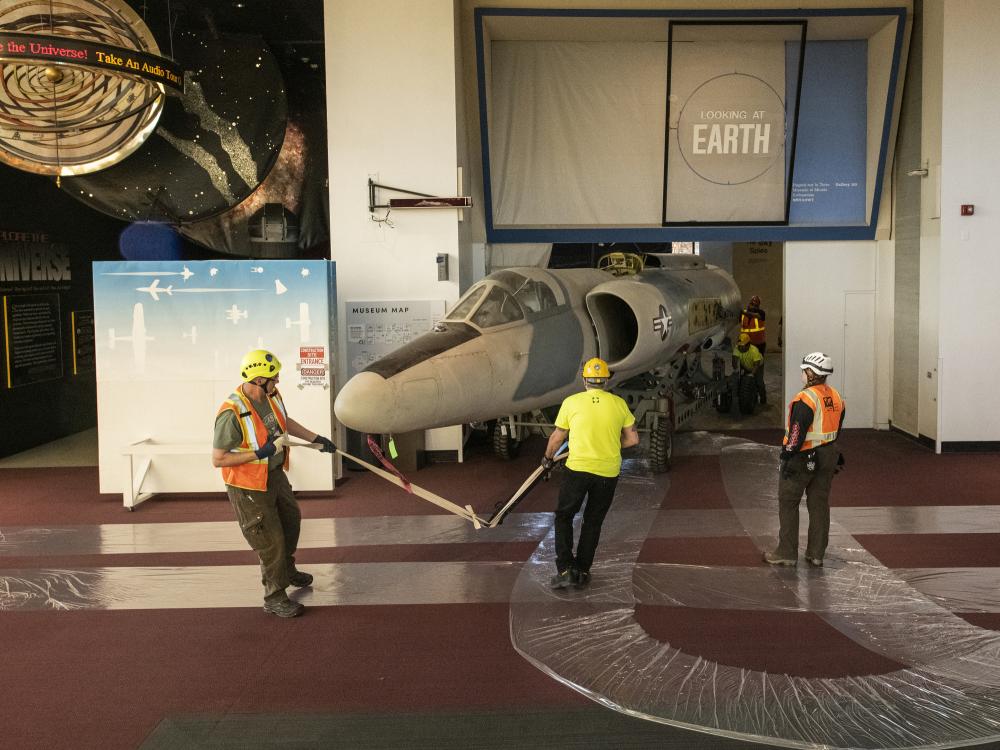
pixel 399 675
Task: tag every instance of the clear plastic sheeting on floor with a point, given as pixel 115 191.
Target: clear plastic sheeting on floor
pixel 590 640
pixel 221 536
pixel 239 586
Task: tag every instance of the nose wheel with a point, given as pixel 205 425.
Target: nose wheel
pixel 507 438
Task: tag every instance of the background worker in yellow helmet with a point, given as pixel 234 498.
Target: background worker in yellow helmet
pixel 751 361
pixel 599 424
pixel 253 468
pixel 809 459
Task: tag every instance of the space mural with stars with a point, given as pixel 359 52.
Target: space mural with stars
pixel 220 152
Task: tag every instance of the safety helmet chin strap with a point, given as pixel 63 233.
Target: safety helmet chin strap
pixel 262 387
pixel 813 377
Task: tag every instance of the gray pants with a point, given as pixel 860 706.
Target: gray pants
pixel 270 522
pixel 796 479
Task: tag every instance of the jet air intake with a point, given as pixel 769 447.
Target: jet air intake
pixel 647 320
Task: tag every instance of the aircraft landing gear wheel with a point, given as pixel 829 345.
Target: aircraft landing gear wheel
pixel 661 446
pixel 724 402
pixel 505 446
pixel 748 394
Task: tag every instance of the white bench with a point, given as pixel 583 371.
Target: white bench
pixel 139 457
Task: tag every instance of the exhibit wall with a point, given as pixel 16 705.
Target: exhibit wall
pixel 665 147
pixel 170 336
pixel 47 241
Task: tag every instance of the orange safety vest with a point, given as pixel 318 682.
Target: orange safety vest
pixel 252 475
pixel 753 327
pixel 827 406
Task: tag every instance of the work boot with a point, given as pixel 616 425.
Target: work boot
pixel 564 579
pixel 283 607
pixel 773 558
pixel 300 579
pixel 582 579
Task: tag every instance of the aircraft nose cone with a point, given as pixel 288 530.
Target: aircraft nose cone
pixel 366 403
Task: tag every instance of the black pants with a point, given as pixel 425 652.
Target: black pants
pixel 599 492
pixel 796 479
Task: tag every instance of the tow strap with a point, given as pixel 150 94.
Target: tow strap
pixel 397 479
pixel 395 476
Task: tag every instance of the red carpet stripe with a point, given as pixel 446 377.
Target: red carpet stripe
pixel 794 643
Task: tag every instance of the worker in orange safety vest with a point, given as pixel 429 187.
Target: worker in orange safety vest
pixel 253 468
pixel 809 459
pixel 752 324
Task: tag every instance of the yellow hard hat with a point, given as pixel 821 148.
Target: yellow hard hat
pixel 743 339
pixel 259 363
pixel 596 368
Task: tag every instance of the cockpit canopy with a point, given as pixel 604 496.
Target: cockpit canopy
pixel 503 297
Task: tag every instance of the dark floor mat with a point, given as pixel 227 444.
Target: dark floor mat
pixel 553 730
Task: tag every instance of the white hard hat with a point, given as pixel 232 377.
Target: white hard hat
pixel 819 363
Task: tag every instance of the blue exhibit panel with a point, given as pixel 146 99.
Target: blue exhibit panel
pixel 828 183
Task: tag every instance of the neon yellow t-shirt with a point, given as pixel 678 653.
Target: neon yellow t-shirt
pixel 750 358
pixel 595 420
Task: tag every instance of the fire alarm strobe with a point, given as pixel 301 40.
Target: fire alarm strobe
pixel 968 209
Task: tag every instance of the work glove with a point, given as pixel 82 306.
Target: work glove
pixel 328 446
pixel 267 450
pixel 783 464
pixel 547 464
pixel 840 464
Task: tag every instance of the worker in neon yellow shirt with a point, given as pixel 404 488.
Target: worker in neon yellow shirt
pixel 599 424
pixel 752 362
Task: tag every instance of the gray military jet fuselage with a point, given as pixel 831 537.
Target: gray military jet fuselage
pixel 516 340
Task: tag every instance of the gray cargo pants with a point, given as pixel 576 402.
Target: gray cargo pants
pixel 270 522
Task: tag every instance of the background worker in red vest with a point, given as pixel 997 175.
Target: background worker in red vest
pixel 253 468
pixel 809 459
pixel 752 324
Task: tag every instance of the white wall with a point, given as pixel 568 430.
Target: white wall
pixel 391 112
pixel 826 284
pixel 969 257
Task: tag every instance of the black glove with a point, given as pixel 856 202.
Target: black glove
pixel 783 464
pixel 267 450
pixel 328 446
pixel 840 464
pixel 547 463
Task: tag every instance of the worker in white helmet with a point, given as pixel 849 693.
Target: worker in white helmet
pixel 809 459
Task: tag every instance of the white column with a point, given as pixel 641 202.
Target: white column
pixel 391 115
